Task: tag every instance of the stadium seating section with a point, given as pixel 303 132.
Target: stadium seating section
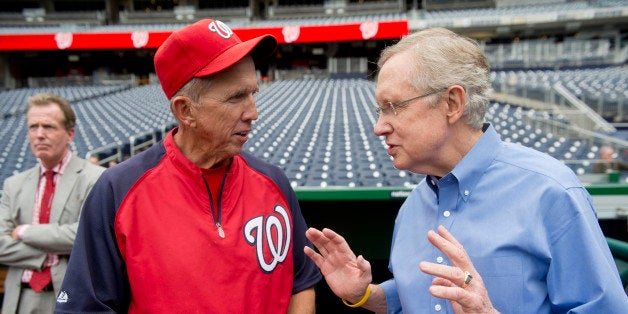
pixel 318 130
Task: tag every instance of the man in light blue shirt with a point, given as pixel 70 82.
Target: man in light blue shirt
pixel 508 229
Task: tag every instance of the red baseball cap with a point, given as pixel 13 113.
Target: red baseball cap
pixel 204 48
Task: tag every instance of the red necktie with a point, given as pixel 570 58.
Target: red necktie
pixel 39 280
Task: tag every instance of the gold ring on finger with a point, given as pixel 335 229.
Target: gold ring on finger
pixel 467 278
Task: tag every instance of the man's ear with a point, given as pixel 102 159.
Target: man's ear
pixel 183 110
pixel 456 102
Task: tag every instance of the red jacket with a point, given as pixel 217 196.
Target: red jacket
pixel 148 243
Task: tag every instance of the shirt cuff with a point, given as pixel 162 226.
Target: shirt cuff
pixel 393 304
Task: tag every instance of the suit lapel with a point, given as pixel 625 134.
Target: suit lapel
pixel 65 187
pixel 29 192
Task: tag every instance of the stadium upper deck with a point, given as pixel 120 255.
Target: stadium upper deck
pixel 309 33
pixel 492 17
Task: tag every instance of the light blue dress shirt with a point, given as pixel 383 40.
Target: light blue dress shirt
pixel 526 222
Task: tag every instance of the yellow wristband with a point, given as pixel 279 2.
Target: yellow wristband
pixel 361 302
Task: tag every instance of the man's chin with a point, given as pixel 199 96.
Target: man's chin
pixel 399 164
pixel 237 152
pixel 236 149
pixel 43 156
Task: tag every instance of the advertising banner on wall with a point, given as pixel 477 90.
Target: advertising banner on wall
pixel 141 39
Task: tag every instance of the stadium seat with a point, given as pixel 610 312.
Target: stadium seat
pixel 320 131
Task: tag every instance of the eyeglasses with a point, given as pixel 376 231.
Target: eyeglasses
pixel 382 110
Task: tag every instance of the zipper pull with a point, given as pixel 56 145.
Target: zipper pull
pixel 221 232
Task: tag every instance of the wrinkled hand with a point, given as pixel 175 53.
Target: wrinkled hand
pixel 348 276
pixel 449 282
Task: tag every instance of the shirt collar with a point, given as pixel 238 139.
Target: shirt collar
pixel 474 164
pixel 179 159
pixel 60 167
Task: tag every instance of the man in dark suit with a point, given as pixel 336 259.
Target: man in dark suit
pixel 40 208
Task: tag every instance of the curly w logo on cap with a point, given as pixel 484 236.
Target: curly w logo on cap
pixel 221 29
pixel 194 52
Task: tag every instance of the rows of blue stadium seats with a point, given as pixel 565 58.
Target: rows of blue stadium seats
pixel 105 114
pixel 605 90
pixel 318 130
pixel 508 10
pixel 12 102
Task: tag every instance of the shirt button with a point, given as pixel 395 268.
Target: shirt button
pixel 446 214
pixel 466 192
pixel 439 259
pixel 437 307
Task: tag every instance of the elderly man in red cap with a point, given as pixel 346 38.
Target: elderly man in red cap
pixel 194 224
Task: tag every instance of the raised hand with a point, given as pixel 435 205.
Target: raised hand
pixel 348 276
pixel 461 284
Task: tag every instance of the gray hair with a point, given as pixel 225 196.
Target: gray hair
pixel 195 88
pixel 442 58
